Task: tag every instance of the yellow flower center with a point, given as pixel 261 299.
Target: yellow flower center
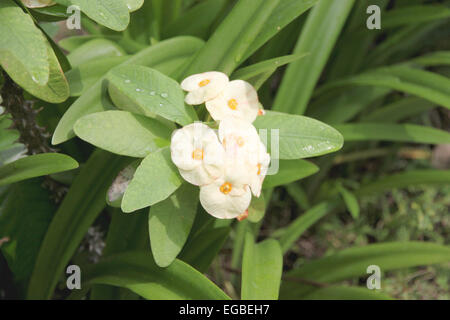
pixel 259 169
pixel 226 188
pixel 232 104
pixel 204 83
pixel 240 141
pixel 197 154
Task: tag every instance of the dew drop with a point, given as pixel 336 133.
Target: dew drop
pixel 161 105
pixel 127 81
pixel 152 93
pixel 34 79
pixel 138 90
pixel 164 95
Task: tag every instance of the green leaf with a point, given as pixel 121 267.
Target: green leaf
pixel 25 214
pixel 399 110
pixel 318 37
pixel 56 90
pixel 50 14
pixel 284 13
pixel 80 207
pixel 196 21
pixel 405 179
pixel 138 272
pixel 341 105
pixel 258 73
pixel 424 84
pixel 170 222
pixel 201 249
pixel 262 266
pixel 123 133
pixel 227 47
pixel 134 5
pixel 126 232
pixel 97 49
pixel 414 15
pixel 10 149
pixel 350 201
pixel 437 58
pixel 23 47
pixel 86 75
pixel 154 181
pixel 302 223
pixel 290 171
pixel 174 51
pixel 112 14
pixel 151 92
pixel 73 42
pixel 392 132
pixel 35 166
pixel 345 293
pixel 299 136
pixel 257 209
pixel 353 262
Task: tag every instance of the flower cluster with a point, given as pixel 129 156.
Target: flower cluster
pixel 230 165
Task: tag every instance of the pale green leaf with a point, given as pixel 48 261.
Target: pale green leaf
pixel 23 47
pixel 393 132
pixel 113 14
pixel 123 133
pixel 299 136
pixel 138 272
pixel 262 265
pixel 170 222
pixel 151 92
pixel 155 180
pixel 35 166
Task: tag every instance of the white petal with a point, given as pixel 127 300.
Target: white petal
pixel 196 136
pixel 182 148
pixel 204 86
pixel 198 177
pixel 190 139
pixel 238 100
pixel 223 206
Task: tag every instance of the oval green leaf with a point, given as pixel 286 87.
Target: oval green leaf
pixel 123 133
pixel 154 181
pixel 35 166
pixel 262 265
pixel 152 92
pixel 170 222
pixel 299 136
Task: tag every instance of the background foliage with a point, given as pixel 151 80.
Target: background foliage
pixel 74 129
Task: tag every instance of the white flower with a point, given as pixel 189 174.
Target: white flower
pixel 240 136
pixel 37 3
pixel 227 197
pixel 197 153
pixel 243 144
pixel 203 87
pixel 238 100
